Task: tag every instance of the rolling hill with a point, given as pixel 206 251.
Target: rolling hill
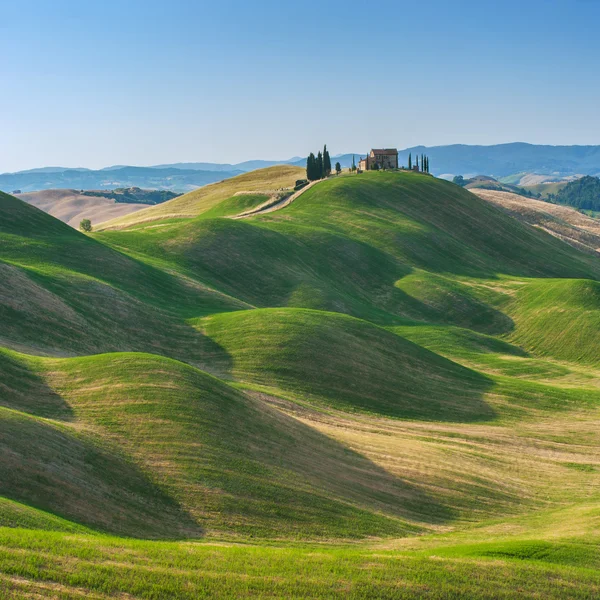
pixel 564 222
pixel 264 181
pixel 371 392
pixel 583 194
pixel 71 206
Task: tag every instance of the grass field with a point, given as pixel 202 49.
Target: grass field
pixel 389 388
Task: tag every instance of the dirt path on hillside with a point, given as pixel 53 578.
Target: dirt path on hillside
pixel 273 204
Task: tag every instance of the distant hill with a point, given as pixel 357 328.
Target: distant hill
pixel 259 182
pixel 177 180
pixel 133 195
pixel 544 190
pixel 564 222
pixel 484 182
pixel 52 170
pixel 503 160
pixel 71 206
pixel 516 163
pixel 583 194
pixel 246 166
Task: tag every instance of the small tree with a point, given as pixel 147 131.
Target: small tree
pixel 410 161
pixel 85 225
pixel 338 168
pixel 459 180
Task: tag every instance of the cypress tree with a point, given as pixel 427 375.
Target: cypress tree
pixel 310 167
pixel 326 162
pixel 319 166
pixel 410 161
pixel 417 162
pixel 353 164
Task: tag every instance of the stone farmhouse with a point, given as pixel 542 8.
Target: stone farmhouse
pixel 379 158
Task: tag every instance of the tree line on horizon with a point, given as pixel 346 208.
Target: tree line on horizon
pixel 582 194
pixel 318 167
pixel 422 166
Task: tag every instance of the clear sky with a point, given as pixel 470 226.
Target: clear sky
pixel 101 82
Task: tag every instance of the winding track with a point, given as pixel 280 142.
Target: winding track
pixel 269 206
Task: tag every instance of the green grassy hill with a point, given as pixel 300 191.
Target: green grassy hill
pixel 271 179
pixel 358 364
pixel 287 399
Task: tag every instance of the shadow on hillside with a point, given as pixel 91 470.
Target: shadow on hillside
pixel 467 236
pixel 332 360
pixel 452 310
pixel 24 390
pixel 282 264
pixel 84 480
pixel 112 320
pixel 342 473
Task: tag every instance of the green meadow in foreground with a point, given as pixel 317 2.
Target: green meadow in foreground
pixel 387 389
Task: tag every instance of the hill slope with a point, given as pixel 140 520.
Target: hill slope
pixel 71 206
pixel 583 193
pixel 194 203
pixel 564 222
pixel 388 355
pixel 63 291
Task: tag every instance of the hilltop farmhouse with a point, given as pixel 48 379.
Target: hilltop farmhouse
pixel 379 158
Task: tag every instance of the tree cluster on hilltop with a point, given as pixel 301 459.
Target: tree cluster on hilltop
pixel 318 167
pixel 133 195
pixel 421 165
pixel 583 194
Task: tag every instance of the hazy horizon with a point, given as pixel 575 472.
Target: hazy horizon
pixel 282 160
pixel 149 83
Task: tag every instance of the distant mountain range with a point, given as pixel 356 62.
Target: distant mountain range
pixel 499 161
pixel 508 159
pixel 174 179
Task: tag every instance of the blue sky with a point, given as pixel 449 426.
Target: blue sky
pixel 92 83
